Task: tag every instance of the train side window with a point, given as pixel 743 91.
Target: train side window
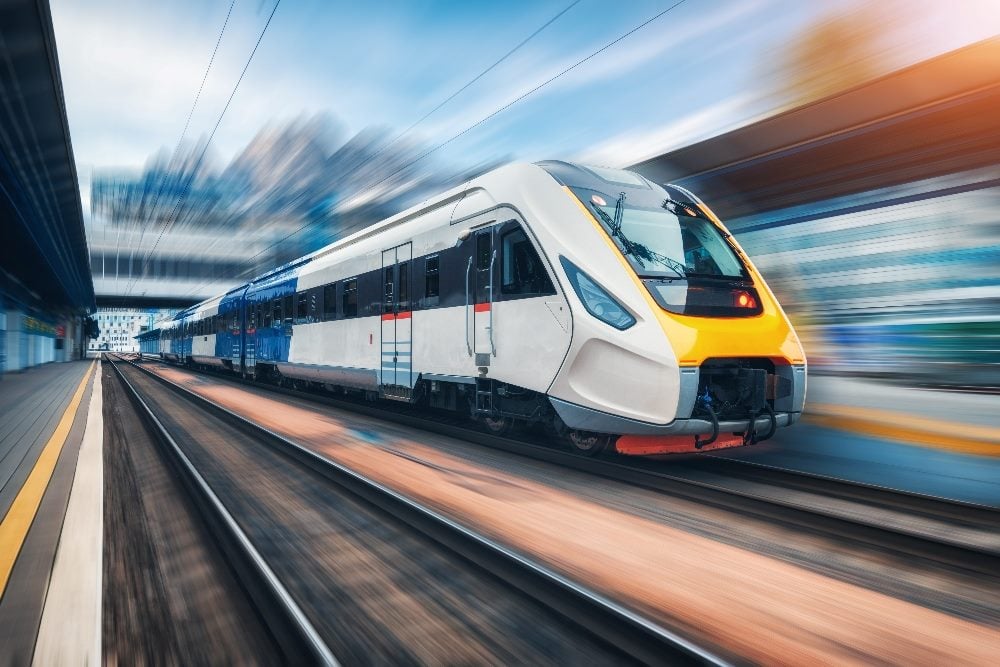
pixel 483 247
pixel 267 314
pixel 330 301
pixel 301 308
pixel 523 271
pixel 432 279
pixel 350 298
pixel 387 289
pixel 286 310
pixel 403 298
pixel 314 305
pixel 276 307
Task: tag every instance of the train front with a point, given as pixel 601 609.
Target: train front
pixel 678 344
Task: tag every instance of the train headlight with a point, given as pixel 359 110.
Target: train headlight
pixel 598 302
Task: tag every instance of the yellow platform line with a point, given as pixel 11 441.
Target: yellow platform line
pixel 14 527
pixel 907 428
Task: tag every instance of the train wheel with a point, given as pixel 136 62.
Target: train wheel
pixel 498 425
pixel 589 443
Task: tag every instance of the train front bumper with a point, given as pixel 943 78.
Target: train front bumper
pixel 692 429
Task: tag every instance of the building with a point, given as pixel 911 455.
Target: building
pixel 120 326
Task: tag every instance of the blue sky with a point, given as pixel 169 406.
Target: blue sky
pixel 131 70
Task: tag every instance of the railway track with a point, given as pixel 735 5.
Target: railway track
pixel 937 531
pixel 288 624
pixel 591 613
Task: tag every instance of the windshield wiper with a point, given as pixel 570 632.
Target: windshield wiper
pixel 638 250
pixel 619 211
pixel 687 208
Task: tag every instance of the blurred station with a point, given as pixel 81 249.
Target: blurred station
pixel 47 292
pixel 873 214
pixel 170 493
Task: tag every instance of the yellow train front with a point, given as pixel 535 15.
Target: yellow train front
pixel 678 345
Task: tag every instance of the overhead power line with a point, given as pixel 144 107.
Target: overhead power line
pixel 472 81
pixel 441 104
pixel 171 217
pixel 486 118
pixel 156 199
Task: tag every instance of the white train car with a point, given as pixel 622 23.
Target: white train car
pixel 620 313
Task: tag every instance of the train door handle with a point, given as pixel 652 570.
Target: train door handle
pixel 468 273
pixel 493 347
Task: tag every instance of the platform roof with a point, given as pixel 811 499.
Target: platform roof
pixel 44 242
pixel 934 118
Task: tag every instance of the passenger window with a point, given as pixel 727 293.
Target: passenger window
pixel 302 308
pixel 267 310
pixel 432 278
pixel 276 308
pixel 483 247
pixel 350 298
pixel 287 310
pixel 330 301
pixel 403 298
pixel 523 271
pixel 314 307
pixel 387 301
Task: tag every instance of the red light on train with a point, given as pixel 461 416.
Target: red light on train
pixel 745 300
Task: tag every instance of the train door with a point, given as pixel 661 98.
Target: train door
pixel 484 260
pixel 254 316
pixel 397 322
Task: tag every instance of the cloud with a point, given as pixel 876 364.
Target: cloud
pixel 640 144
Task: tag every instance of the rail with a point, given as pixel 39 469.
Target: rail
pixel 631 632
pixel 295 634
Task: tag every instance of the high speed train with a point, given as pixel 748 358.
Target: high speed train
pixel 618 313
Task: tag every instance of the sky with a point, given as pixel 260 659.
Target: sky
pixel 131 70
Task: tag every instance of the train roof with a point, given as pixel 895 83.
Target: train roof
pixel 594 178
pixel 565 173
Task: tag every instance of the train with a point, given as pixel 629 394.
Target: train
pixel 615 313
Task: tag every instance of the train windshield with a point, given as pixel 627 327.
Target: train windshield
pixel 673 241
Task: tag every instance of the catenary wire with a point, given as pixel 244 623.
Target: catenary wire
pixel 171 218
pixel 468 129
pixel 483 120
pixel 187 123
pixel 486 71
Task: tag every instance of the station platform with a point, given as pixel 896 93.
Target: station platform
pixel 50 513
pixel 935 442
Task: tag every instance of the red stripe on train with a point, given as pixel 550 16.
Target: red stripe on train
pixel 482 307
pixel 405 315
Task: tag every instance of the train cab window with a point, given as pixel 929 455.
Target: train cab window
pixel 523 271
pixel 301 308
pixel 432 278
pixel 330 301
pixel 287 311
pixel 350 298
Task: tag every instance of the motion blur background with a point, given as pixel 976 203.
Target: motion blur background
pixel 850 146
